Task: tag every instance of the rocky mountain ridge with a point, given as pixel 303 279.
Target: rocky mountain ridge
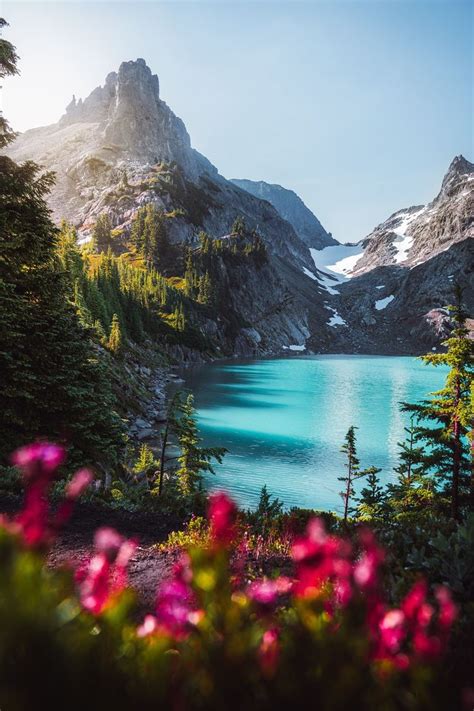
pixel 292 208
pixel 392 292
pixel 415 234
pixel 123 147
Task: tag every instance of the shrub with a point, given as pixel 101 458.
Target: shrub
pixel 326 637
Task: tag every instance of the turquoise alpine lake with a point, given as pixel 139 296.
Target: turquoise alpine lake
pixel 284 421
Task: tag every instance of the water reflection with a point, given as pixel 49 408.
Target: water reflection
pixel 284 420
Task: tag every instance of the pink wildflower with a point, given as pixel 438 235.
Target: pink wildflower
pixel 106 574
pixel 414 600
pixel 108 541
pixel 265 592
pixel 79 483
pixel 222 516
pixel 40 459
pixel 148 626
pixel 392 630
pixel 447 608
pixel 269 652
pixel 175 605
pixel 320 559
pixel 39 463
pixel 366 569
pixel 94 589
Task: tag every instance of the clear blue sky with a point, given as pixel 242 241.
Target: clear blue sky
pixel 359 106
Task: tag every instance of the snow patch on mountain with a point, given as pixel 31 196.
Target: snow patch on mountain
pixel 336 319
pixel 338 261
pixel 310 274
pixel 295 347
pixel 404 242
pixel 381 304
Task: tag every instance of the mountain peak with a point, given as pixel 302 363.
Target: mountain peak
pixel 133 85
pixel 453 180
pixel 133 121
pixel 460 165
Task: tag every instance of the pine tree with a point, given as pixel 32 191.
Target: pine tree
pixel 239 228
pixel 414 489
pixel 444 421
pixel 267 510
pixel 53 384
pixel 372 498
pixel 102 233
pixel 194 460
pixel 115 342
pixel 353 471
pixel 138 230
pixel 145 461
pixel 352 467
pixel 8 67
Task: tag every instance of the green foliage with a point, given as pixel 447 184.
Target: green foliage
pixel 8 67
pixel 54 384
pixel 194 460
pixel 195 533
pixel 268 511
pixel 448 557
pixel 371 503
pixel 102 233
pixel 145 461
pixel 445 421
pixel 150 240
pixel 115 342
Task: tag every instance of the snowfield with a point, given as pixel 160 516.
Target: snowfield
pixel 381 304
pixel 295 347
pixel 334 264
pixel 403 242
pixel 338 261
pixel 336 319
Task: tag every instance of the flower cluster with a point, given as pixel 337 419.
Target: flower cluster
pixel 39 464
pixel 105 576
pixel 285 634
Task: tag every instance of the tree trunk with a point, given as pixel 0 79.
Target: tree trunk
pixel 456 470
pixel 162 458
pixel 456 455
pixel 348 491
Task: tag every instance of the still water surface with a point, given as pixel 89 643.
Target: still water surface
pixel 284 420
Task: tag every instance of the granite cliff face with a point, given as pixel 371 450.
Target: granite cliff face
pixel 292 208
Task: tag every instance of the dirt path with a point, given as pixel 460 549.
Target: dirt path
pixel 147 569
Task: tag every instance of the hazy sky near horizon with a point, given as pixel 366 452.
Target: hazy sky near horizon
pixel 358 106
